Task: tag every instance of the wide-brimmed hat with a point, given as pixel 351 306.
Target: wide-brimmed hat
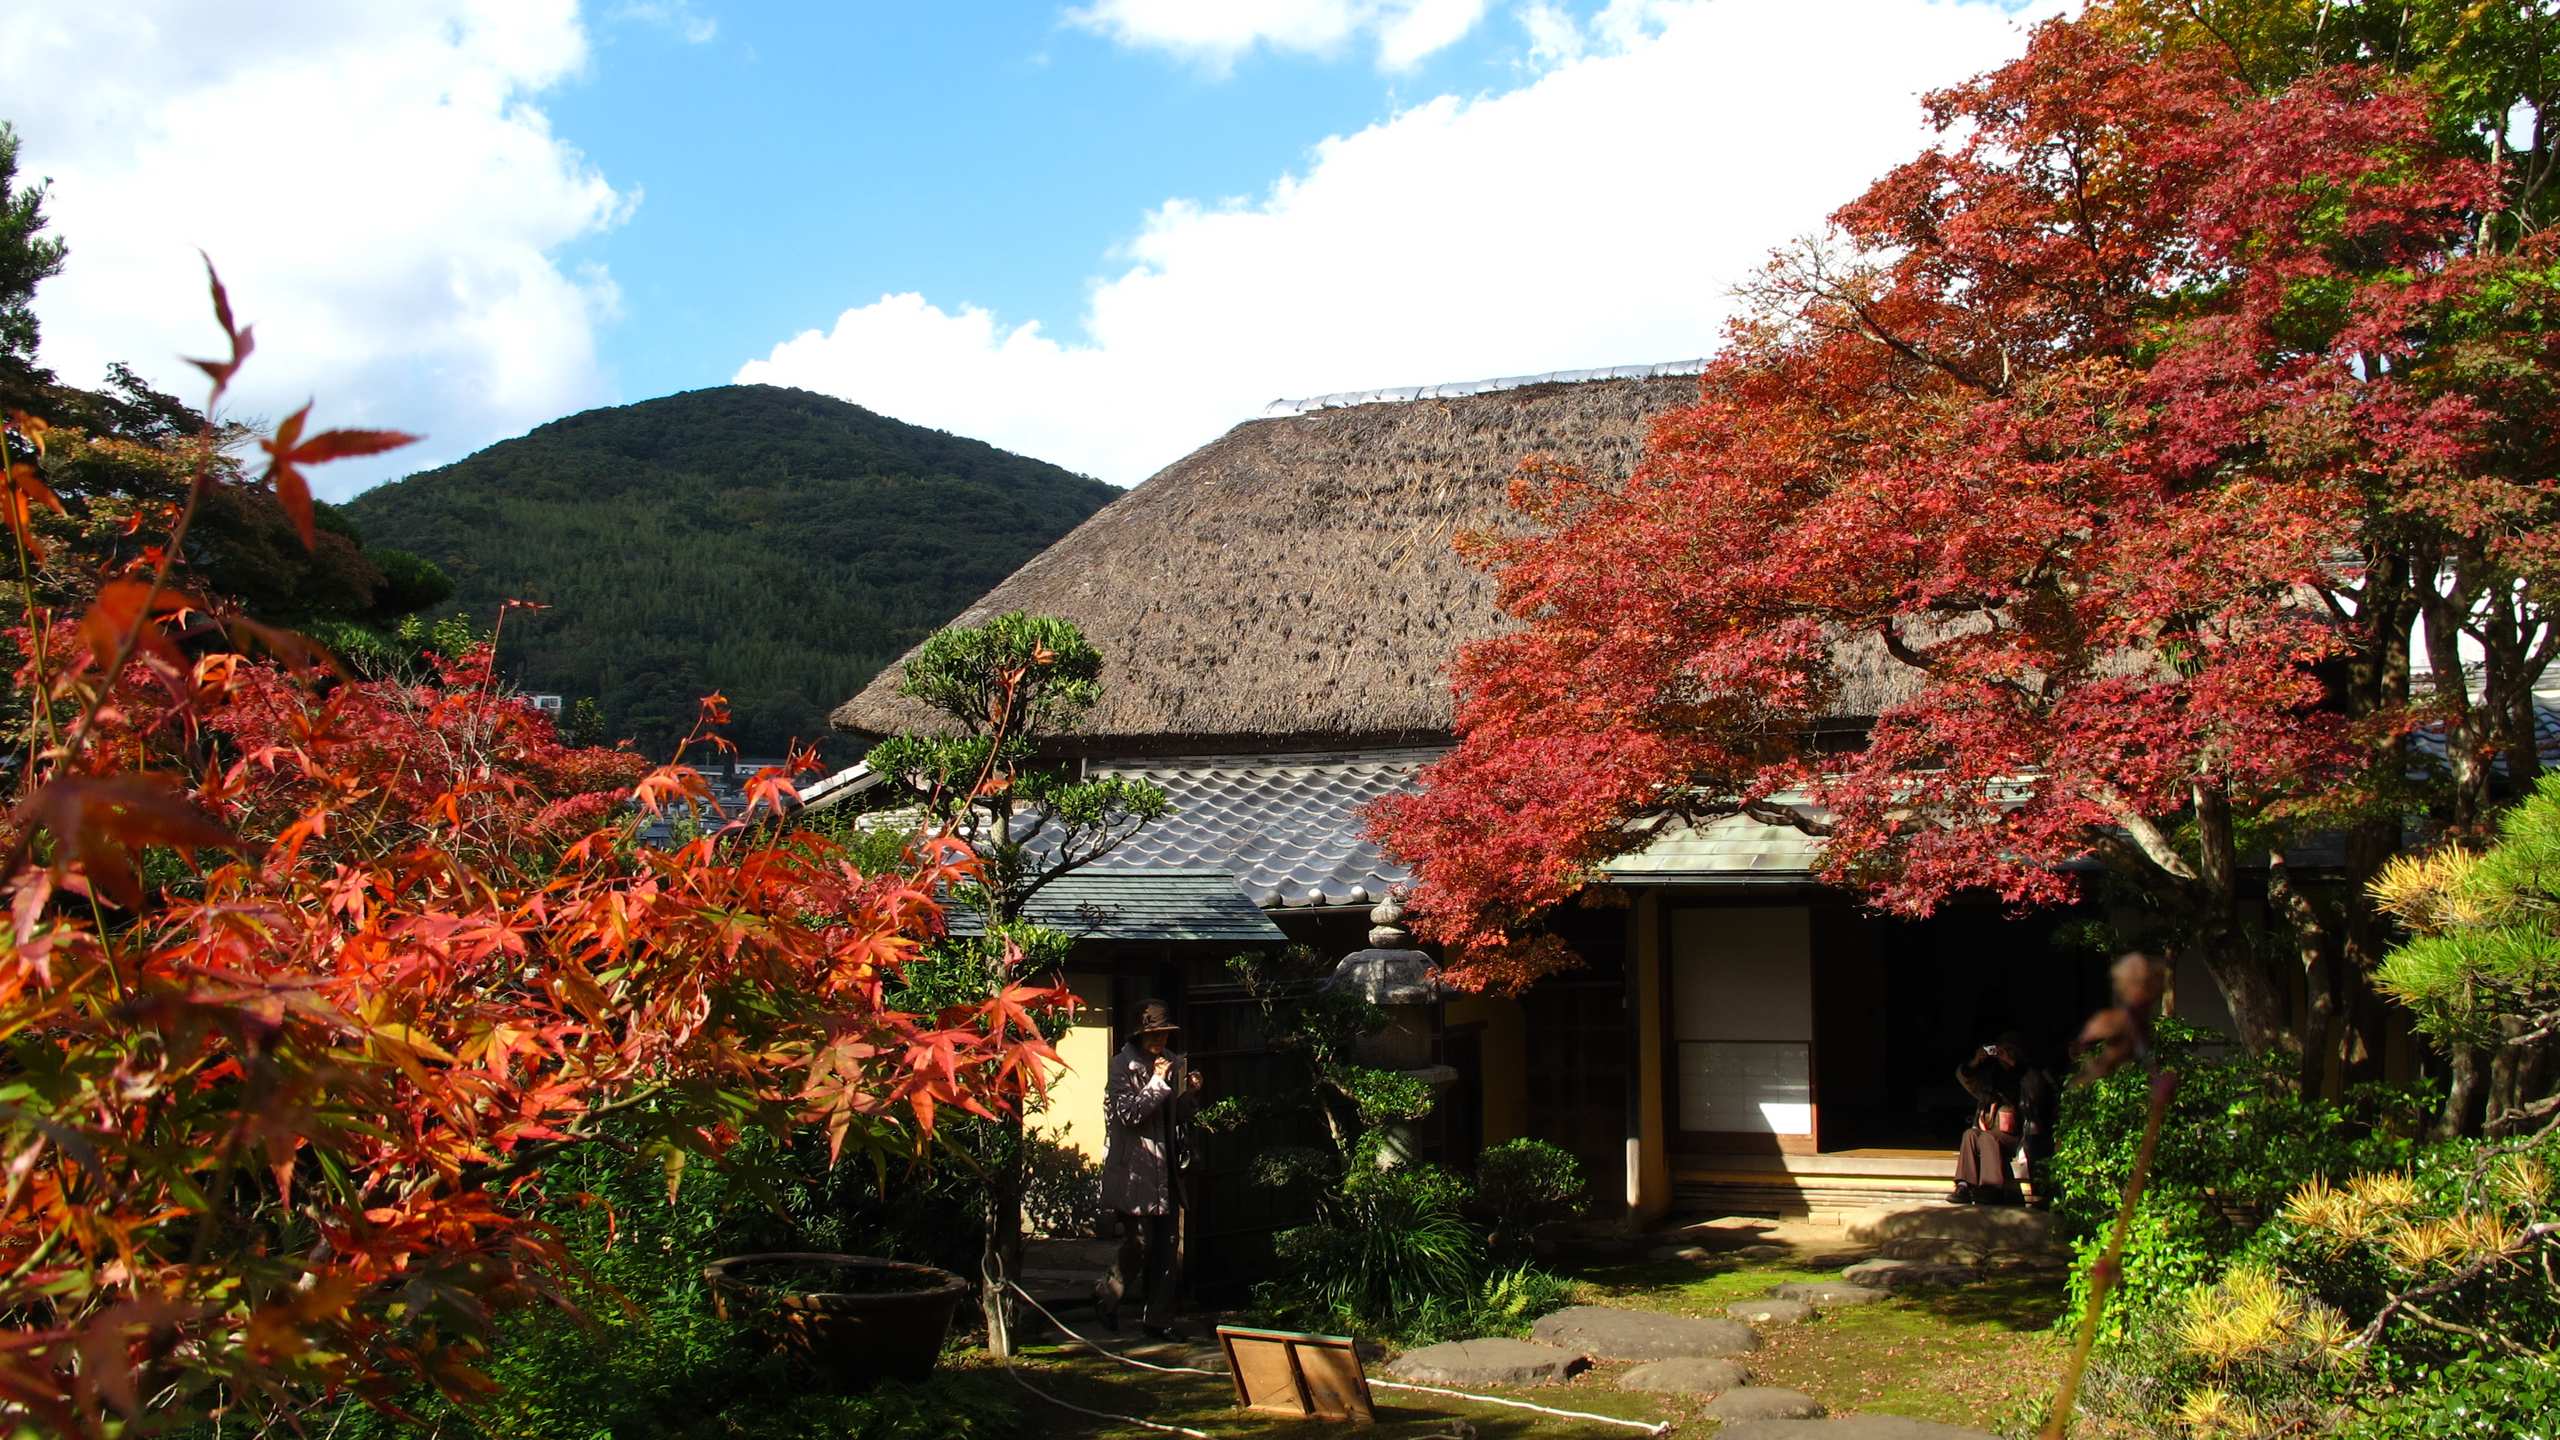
pixel 1155 1016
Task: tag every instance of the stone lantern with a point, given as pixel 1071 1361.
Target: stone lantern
pixel 1404 981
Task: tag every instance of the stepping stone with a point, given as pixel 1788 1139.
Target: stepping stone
pixel 1608 1334
pixel 1690 1253
pixel 1692 1375
pixel 1826 1294
pixel 1908 1274
pixel 1949 1233
pixel 1849 1427
pixel 1463 1363
pixel 1762 1402
pixel 1770 1312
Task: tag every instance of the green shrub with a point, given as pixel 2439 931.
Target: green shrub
pixel 2177 1242
pixel 1522 1186
pixel 1061 1189
pixel 646 1360
pixel 2245 1356
pixel 1385 1248
pixel 2508 1398
pixel 2463 1225
pixel 2235 1133
pixel 1510 1299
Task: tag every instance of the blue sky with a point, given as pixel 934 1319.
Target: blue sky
pixel 1098 232
pixel 991 153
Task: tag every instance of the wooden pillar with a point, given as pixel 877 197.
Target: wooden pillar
pixel 1648 1176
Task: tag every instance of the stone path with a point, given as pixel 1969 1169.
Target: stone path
pixel 1758 1402
pixel 1908 1274
pixel 1463 1364
pixel 1696 1355
pixel 1745 1411
pixel 1848 1427
pixel 1691 1375
pixel 1604 1333
pixel 1772 1311
pixel 1826 1294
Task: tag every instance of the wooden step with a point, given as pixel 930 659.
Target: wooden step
pixel 1759 1192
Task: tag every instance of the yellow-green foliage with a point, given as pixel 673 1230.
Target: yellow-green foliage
pixel 2386 1211
pixel 2485 927
pixel 2255 1352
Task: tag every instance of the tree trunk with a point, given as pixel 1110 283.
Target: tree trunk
pixel 2259 1006
pixel 2520 743
pixel 2467 731
pixel 1000 1258
pixel 2507 1067
pixel 2260 1010
pixel 2317 945
pixel 2462 1093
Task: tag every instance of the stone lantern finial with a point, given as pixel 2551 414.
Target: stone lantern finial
pixel 1386 928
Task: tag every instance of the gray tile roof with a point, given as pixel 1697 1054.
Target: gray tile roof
pixel 1289 828
pixel 1141 905
pixel 2429 740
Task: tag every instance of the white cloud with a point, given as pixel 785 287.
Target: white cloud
pixel 1216 33
pixel 677 17
pixel 386 201
pixel 1555 37
pixel 1600 214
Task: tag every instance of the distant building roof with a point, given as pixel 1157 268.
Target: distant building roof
pixel 2429 740
pixel 838 787
pixel 1141 905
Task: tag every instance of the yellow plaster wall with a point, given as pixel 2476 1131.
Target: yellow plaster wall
pixel 1505 1056
pixel 1074 1114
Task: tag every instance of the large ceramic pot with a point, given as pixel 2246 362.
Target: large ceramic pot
pixel 852 1318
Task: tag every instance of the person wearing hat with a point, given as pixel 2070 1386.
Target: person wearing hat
pixel 1150 1097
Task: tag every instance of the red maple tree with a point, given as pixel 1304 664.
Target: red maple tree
pixel 2095 470
pixel 306 978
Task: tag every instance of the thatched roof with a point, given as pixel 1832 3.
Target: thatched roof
pixel 1293 582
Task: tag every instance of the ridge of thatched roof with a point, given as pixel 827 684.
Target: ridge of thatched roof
pixel 1295 579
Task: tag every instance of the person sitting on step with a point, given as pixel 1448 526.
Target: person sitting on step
pixel 1996 1158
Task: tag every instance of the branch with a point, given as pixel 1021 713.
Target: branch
pixel 2544 651
pixel 530 1157
pixel 1868 326
pixel 2533 1235
pixel 1772 814
pixel 1899 649
pixel 2306 909
pixel 1069 861
pixel 2145 833
pixel 2545 1109
pixel 2481 1336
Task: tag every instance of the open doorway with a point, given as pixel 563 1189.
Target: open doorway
pixel 1899 1004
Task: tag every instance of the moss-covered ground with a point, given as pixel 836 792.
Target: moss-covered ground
pixel 1972 1356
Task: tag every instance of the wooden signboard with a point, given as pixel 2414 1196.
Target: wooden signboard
pixel 1282 1372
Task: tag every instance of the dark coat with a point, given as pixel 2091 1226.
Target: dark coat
pixel 1145 1123
pixel 1993 1083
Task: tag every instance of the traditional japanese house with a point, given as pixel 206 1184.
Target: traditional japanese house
pixel 1277 612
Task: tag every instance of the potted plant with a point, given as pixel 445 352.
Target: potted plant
pixel 850 1317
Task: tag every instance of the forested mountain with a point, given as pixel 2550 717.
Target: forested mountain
pixel 774 545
